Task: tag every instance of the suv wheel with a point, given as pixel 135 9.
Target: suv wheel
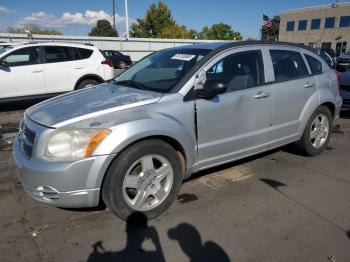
pixel 121 65
pixel 317 132
pixel 145 178
pixel 87 83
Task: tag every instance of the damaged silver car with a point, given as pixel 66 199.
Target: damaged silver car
pixel 131 142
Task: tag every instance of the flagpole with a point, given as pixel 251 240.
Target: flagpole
pixel 126 19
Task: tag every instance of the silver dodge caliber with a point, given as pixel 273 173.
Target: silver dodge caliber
pixel 131 142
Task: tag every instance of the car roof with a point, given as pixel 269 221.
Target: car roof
pixel 54 43
pixel 221 46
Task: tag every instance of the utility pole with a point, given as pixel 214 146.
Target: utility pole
pixel 126 19
pixel 113 14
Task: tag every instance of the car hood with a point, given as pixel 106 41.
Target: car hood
pixel 87 103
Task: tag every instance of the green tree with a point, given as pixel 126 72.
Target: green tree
pixel 103 28
pixel 272 32
pixel 193 34
pixel 174 31
pixel 219 31
pixel 157 18
pixel 33 29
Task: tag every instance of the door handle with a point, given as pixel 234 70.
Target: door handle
pixel 37 71
pixel 262 94
pixel 78 67
pixel 308 85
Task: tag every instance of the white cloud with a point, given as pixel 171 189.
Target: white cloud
pixel 89 18
pixel 4 10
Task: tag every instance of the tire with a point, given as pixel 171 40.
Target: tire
pixel 121 65
pixel 307 143
pixel 134 163
pixel 87 83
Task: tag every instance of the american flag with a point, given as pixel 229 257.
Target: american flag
pixel 267 22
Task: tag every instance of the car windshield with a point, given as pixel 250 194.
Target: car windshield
pixel 161 70
pixel 3 49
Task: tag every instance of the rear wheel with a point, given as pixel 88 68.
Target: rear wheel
pixel 87 83
pixel 317 132
pixel 121 65
pixel 145 178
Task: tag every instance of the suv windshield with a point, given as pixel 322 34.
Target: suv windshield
pixel 161 70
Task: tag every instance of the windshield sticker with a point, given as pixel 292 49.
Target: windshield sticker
pixel 183 57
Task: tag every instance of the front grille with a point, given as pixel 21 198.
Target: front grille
pixel 29 134
pixel 27 139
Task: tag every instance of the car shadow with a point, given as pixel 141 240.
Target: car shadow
pixel 138 231
pixel 232 164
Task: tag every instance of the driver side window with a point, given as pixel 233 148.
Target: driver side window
pixel 24 56
pixel 239 71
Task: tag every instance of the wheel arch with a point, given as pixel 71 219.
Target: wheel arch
pixel 88 76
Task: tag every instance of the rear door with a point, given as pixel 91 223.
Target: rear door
pixel 236 123
pixel 24 75
pixel 62 68
pixel 293 87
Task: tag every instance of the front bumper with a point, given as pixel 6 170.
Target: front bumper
pixel 65 184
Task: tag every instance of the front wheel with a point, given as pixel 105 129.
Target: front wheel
pixel 145 178
pixel 317 133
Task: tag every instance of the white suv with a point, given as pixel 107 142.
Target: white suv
pixel 39 70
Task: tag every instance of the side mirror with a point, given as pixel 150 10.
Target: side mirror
pixel 211 88
pixel 3 63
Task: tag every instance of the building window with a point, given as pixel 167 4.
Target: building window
pixel 344 21
pixel 329 22
pixel 313 45
pixel 326 45
pixel 302 25
pixel 315 23
pixel 290 26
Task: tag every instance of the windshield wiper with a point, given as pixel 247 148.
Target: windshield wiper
pixel 131 83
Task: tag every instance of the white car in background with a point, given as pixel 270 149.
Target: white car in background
pixel 40 70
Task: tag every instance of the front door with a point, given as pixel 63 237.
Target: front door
pixel 24 74
pixel 236 123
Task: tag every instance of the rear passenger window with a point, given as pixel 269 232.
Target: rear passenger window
pixel 315 65
pixel 239 71
pixel 287 65
pixel 85 53
pixel 55 54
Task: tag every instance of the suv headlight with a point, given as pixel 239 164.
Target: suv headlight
pixel 68 145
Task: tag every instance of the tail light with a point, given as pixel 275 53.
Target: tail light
pixel 338 78
pixel 107 62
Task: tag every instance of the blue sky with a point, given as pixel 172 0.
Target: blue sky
pixel 76 17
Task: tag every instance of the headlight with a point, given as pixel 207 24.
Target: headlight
pixel 74 144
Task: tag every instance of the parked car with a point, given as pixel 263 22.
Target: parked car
pixel 345 89
pixel 343 62
pixel 330 60
pixel 36 70
pixel 4 45
pixel 119 60
pixel 132 142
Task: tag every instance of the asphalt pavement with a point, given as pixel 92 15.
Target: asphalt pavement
pixel 277 206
